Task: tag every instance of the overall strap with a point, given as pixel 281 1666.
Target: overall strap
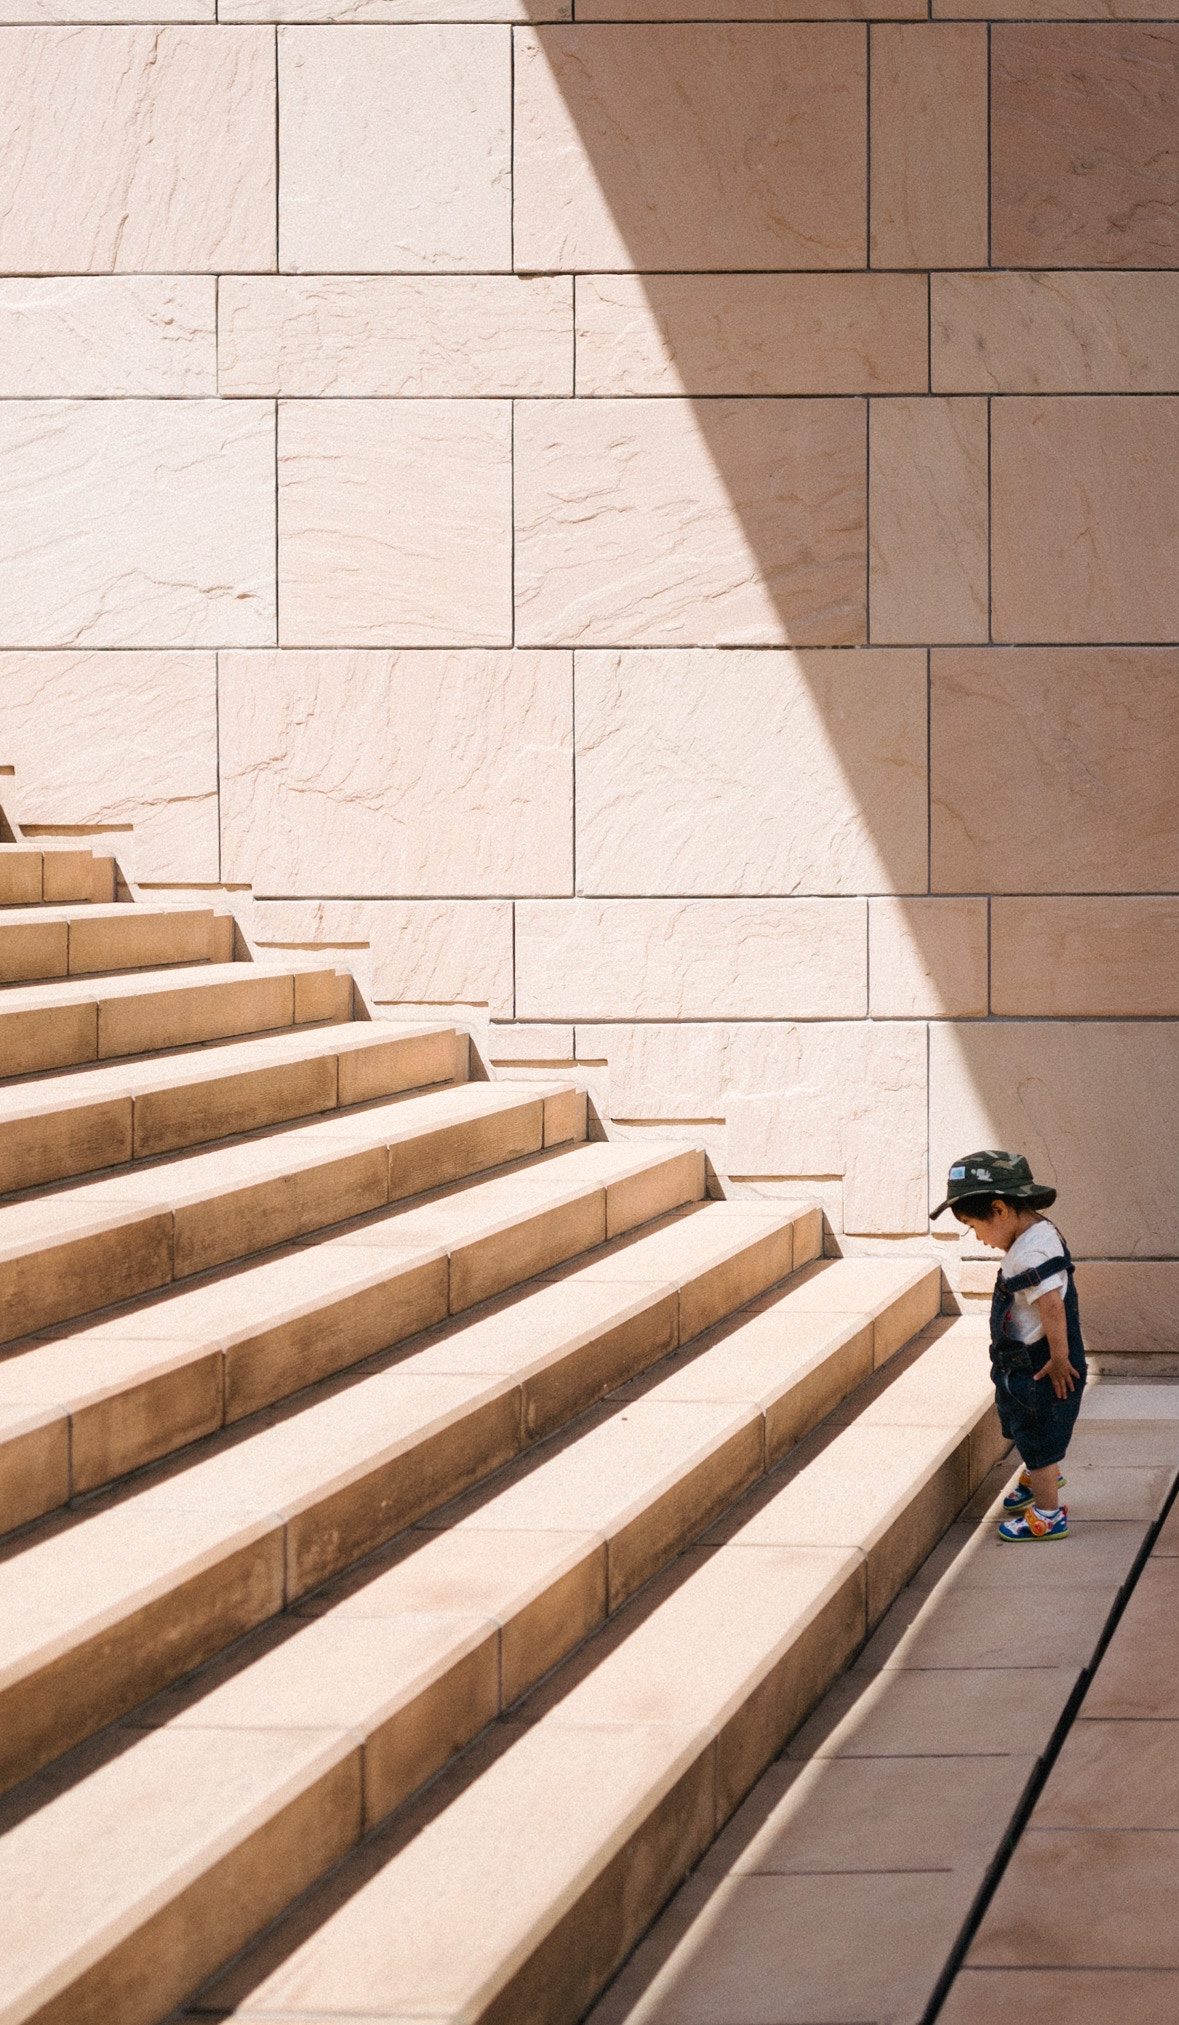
pixel 1035 1274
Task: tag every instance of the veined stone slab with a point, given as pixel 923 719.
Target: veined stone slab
pixel 690 524
pixel 1078 793
pixel 141 750
pixel 394 523
pixel 422 952
pixel 98 334
pixel 1086 958
pixel 777 773
pixel 690 145
pixel 137 148
pixel 410 11
pixel 929 146
pixel 396 335
pixel 751 334
pixel 690 959
pixel 1053 333
pixel 146 523
pixel 396 148
pixel 415 773
pixel 928 514
pixel 927 959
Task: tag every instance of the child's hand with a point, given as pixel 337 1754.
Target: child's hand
pixel 1061 1373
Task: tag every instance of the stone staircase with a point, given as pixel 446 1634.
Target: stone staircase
pixel 422 1522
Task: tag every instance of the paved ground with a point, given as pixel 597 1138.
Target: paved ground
pixel 840 1891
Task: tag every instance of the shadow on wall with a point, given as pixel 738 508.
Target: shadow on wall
pixel 777 508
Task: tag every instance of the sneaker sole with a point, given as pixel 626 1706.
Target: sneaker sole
pixel 1033 1539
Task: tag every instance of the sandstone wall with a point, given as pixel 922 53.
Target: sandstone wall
pixel 657 531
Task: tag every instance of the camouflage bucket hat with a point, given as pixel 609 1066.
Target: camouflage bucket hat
pixel 994 1173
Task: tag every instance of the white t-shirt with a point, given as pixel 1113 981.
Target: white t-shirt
pixel 1037 1245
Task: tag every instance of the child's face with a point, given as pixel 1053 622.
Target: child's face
pixel 999 1229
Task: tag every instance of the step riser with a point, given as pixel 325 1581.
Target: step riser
pixel 32 878
pixel 35 951
pixel 150 1249
pixel 51 1146
pixel 34 1041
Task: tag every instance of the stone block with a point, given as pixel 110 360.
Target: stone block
pixel 1094 1106
pixel 1080 491
pixel 928 476
pixel 751 334
pixel 415 774
pixel 394 523
pixel 927 959
pixel 523 1045
pixel 858 1109
pixel 127 178
pixel 1085 958
pixel 137 523
pixel 627 526
pixel 1129 1306
pixel 1051 333
pixel 422 952
pixel 1148 1996
pixel 690 146
pixel 95 335
pixel 690 959
pixel 140 758
pixel 314 12
pixel 114 12
pixel 1084 167
pixel 929 145
pixel 395 336
pixel 1076 794
pixel 689 767
pixel 747 10
pixel 396 148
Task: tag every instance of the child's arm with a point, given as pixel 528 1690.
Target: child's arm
pixel 1063 1378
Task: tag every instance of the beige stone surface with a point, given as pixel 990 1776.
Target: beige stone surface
pixel 113 11
pixel 95 335
pixel 1079 489
pixel 170 1859
pixel 690 146
pixel 927 958
pixel 920 1714
pixel 413 773
pixel 744 10
pixel 394 522
pixel 929 146
pixel 689 768
pixel 691 959
pixel 1032 1084
pixel 1103 1899
pixel 627 1809
pixel 1149 1996
pixel 422 180
pixel 853 1105
pixel 774 1950
pixel 421 952
pixel 750 334
pixel 99 193
pixel 34 1462
pixel 141 757
pixel 396 335
pixel 1054 333
pixel 765 498
pixel 137 523
pixel 1104 958
pixel 1120 1775
pixel 313 12
pixel 1084 174
pixel 1136 1681
pixel 1077 795
pixel 1130 1306
pixel 989 1627
pixel 928 478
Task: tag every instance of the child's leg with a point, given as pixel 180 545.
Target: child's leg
pixel 1045 1486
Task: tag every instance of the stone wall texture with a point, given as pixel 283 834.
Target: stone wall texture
pixel 653 525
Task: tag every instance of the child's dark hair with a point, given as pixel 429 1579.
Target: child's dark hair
pixel 981 1206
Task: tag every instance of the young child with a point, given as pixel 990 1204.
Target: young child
pixel 1037 1351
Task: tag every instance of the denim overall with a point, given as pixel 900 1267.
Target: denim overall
pixel 1030 1414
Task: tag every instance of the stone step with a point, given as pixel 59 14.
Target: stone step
pixel 47 942
pixel 64 1253
pixel 32 875
pixel 77 1121
pixel 62 1025
pixel 91 1402
pixel 411 1657
pixel 105 1606
pixel 631 1755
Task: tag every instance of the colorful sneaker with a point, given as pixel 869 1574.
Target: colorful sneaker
pixel 1020 1498
pixel 1030 1527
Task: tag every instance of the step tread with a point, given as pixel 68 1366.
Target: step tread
pixel 86 913
pixel 44 997
pixel 430 1917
